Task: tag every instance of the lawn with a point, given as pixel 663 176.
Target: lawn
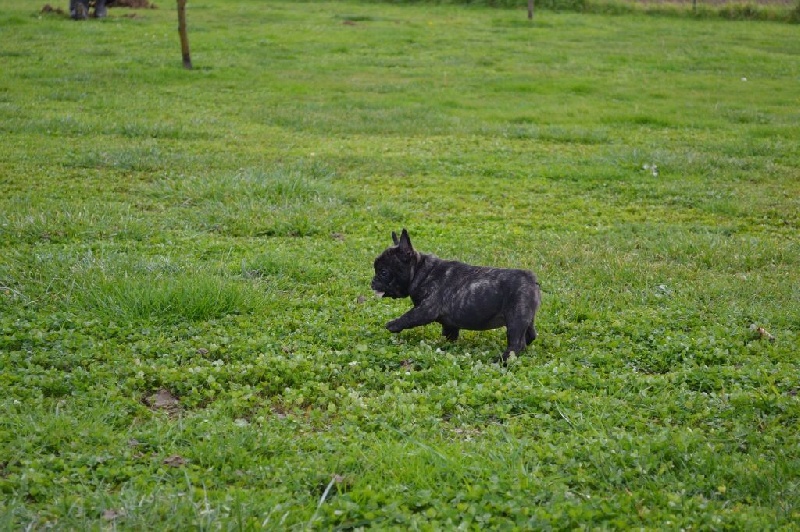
pixel 188 339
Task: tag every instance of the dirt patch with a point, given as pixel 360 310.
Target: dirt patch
pixel 50 9
pixel 163 400
pixel 133 4
pixel 175 460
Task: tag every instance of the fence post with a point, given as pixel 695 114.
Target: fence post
pixel 187 60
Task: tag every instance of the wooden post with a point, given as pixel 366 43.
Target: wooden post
pixel 530 9
pixel 187 60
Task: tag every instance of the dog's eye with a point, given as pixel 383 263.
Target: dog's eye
pixel 384 273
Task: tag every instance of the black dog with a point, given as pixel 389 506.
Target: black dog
pixel 457 295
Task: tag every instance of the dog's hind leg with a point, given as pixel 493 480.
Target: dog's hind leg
pixel 516 334
pixel 530 334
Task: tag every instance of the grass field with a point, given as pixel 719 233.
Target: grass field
pixel 187 335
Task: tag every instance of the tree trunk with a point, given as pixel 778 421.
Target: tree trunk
pixel 187 60
pixel 530 9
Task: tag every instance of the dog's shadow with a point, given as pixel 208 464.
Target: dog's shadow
pixel 486 346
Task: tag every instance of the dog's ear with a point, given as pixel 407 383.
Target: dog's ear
pixel 394 238
pixel 405 242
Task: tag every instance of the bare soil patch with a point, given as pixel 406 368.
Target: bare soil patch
pixel 133 4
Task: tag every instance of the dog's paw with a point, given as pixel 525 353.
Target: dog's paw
pixel 394 326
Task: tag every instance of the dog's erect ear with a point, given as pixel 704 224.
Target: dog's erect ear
pixel 405 241
pixel 394 238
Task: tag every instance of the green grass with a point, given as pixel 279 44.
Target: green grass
pixel 764 10
pixel 211 233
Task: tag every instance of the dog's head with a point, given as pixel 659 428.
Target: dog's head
pixel 394 268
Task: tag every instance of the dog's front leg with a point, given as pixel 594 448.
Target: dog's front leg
pixel 415 317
